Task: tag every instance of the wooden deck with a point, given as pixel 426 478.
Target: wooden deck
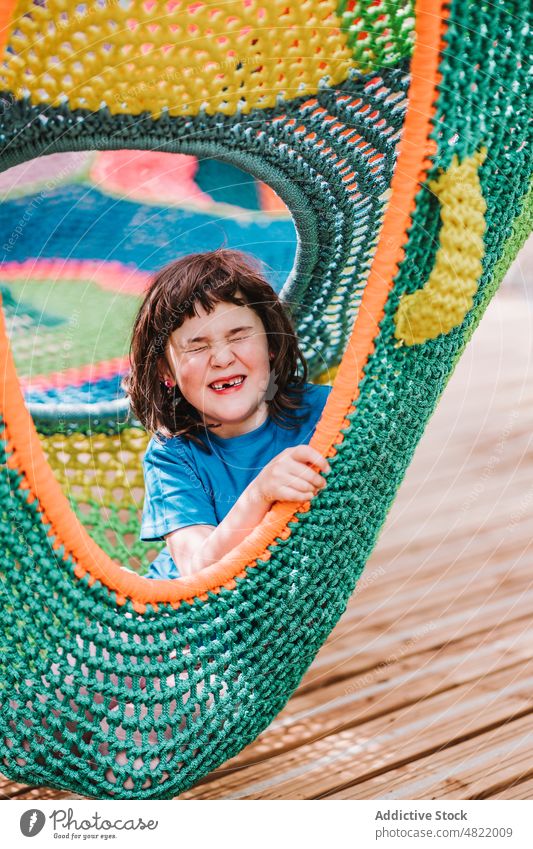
pixel 424 690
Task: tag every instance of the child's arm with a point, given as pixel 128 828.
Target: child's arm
pixel 288 477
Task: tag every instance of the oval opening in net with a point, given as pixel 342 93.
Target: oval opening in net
pixel 88 231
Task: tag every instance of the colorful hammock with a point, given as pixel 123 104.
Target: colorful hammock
pixel 397 137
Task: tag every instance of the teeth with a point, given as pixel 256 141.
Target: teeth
pixel 235 382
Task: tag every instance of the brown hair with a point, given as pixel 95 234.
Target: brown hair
pixel 207 278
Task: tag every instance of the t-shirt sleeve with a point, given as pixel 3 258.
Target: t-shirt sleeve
pixel 174 494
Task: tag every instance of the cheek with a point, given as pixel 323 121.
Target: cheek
pixel 255 355
pixel 190 375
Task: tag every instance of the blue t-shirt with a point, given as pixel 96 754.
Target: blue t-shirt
pixel 187 485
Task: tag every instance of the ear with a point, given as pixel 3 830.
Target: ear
pixel 163 371
pixel 271 355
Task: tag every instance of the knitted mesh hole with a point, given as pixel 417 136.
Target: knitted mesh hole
pixel 125 760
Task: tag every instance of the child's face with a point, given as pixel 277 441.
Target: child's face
pixel 221 363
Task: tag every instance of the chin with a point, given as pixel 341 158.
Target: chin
pixel 231 416
pixel 231 412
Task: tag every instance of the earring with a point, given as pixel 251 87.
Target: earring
pixel 170 386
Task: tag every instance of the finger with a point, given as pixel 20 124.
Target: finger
pixel 289 494
pixel 296 469
pixel 300 485
pixel 306 454
pixel 306 473
pixel 303 486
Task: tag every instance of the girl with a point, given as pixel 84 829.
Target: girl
pixel 214 377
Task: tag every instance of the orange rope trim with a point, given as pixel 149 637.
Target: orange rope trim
pixel 412 164
pixel 7 11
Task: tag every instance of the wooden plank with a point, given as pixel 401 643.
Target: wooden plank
pixel 415 632
pixel 498 541
pixel 516 790
pixel 475 405
pixel 12 790
pixel 382 744
pixel 383 588
pixel 434 527
pixel 414 594
pixel 363 649
pixel 380 579
pixel 435 465
pixel 476 769
pixel 405 585
pixel 394 683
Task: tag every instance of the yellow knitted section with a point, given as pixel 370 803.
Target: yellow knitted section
pixel 448 293
pixel 327 377
pixel 140 55
pixel 101 468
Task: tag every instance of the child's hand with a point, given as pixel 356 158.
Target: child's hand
pixel 289 476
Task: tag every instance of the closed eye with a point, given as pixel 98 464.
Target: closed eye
pixel 201 348
pixel 196 350
pixel 240 338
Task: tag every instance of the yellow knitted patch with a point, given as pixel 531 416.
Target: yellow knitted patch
pixel 102 468
pixel 448 293
pixel 145 55
pixel 327 377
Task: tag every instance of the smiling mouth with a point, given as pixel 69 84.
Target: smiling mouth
pixel 231 384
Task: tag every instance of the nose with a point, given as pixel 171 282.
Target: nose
pixel 222 354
